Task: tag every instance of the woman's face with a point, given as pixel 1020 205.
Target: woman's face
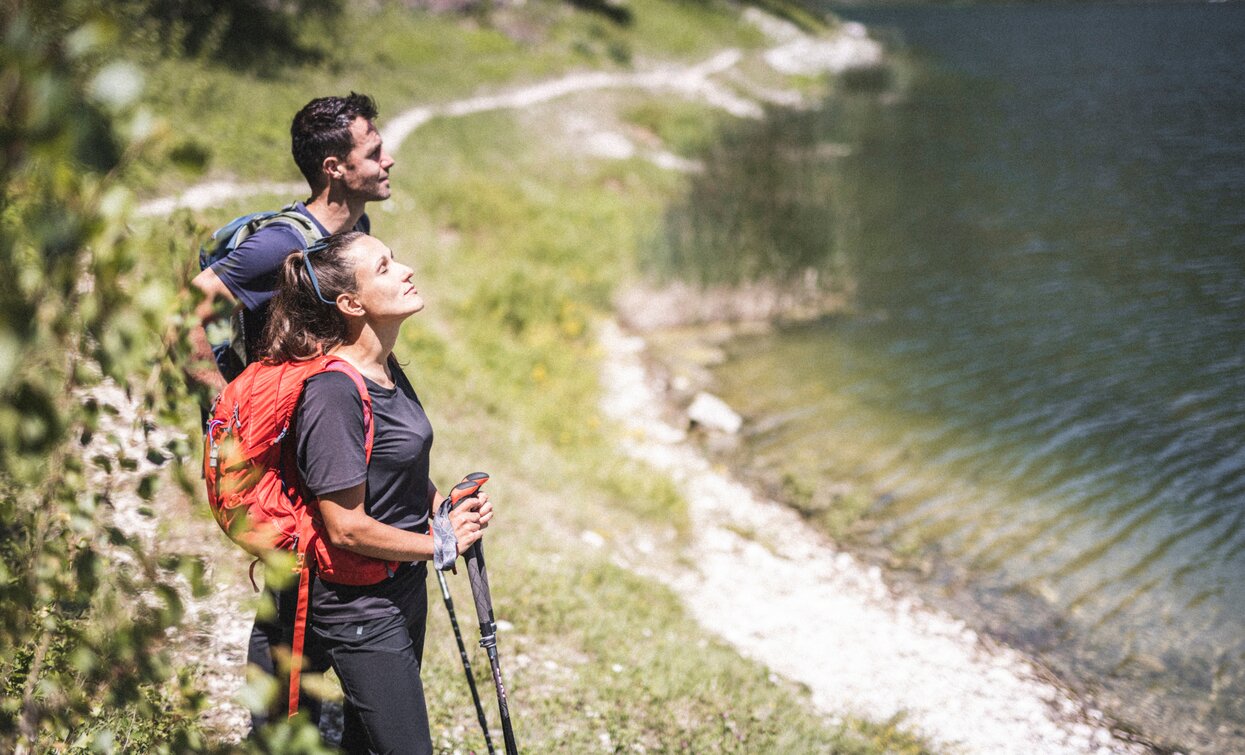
pixel 386 289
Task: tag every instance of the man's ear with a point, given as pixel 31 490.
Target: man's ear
pixel 332 167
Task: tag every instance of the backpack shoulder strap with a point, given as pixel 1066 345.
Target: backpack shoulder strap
pixel 337 364
pixel 302 610
pixel 290 216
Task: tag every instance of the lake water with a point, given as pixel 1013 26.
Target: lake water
pixel 1041 382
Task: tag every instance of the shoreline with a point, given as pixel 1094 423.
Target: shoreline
pixel 820 617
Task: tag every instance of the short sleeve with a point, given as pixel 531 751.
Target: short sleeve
pixel 250 270
pixel 330 434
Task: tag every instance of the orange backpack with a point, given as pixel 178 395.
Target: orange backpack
pixel 254 489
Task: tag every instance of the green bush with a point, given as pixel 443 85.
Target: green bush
pixel 84 605
pixel 760 210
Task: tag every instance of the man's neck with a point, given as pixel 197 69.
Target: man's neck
pixel 334 214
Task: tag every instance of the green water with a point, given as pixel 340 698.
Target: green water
pixel 1041 385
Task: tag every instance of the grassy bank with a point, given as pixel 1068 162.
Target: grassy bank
pixel 520 239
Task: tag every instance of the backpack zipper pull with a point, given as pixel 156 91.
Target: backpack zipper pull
pixel 299 557
pixel 213 446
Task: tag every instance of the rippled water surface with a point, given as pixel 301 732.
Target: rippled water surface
pixel 1043 379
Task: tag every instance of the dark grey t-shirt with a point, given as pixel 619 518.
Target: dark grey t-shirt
pixel 329 433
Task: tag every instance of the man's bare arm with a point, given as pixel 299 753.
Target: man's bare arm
pixel 217 303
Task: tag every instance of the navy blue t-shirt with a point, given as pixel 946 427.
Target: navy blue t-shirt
pixel 250 270
pixel 329 437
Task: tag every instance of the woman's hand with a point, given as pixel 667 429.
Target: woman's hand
pixel 469 519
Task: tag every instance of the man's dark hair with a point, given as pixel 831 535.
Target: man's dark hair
pixel 322 129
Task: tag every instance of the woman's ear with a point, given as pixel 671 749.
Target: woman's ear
pixel 349 305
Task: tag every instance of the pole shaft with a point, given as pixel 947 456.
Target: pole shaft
pixel 502 704
pixel 462 653
pixel 478 574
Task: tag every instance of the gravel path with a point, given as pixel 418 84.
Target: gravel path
pixel 785 596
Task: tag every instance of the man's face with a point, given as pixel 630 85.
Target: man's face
pixel 365 169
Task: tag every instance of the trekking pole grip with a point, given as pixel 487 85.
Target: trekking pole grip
pixel 477 573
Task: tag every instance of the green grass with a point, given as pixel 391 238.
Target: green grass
pixel 602 656
pixel 519 245
pixel 680 125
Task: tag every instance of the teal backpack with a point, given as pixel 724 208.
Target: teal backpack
pixel 228 338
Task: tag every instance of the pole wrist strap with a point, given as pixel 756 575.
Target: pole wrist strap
pixel 444 543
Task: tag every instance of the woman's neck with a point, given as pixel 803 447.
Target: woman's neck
pixel 368 352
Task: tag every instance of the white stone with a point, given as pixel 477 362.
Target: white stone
pixel 713 413
pixel 809 55
pixel 777 29
pixel 610 145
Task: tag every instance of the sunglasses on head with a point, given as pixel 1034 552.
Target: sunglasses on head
pixel 318 245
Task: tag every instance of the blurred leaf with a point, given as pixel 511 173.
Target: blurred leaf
pixel 116 86
pixel 190 155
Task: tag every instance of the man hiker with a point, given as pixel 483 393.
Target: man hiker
pixel 339 151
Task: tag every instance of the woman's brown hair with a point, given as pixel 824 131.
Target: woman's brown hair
pixel 303 319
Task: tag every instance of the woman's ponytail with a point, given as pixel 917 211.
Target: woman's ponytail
pixel 303 318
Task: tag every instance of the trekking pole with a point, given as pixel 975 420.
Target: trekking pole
pixel 458 637
pixel 478 575
pixel 462 652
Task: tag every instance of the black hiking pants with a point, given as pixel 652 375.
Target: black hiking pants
pixel 378 663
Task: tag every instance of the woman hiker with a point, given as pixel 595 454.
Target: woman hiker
pixel 348 297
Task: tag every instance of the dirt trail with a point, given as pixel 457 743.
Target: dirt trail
pixel 849 47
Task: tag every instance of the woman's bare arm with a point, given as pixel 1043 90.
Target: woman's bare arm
pixel 348 526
